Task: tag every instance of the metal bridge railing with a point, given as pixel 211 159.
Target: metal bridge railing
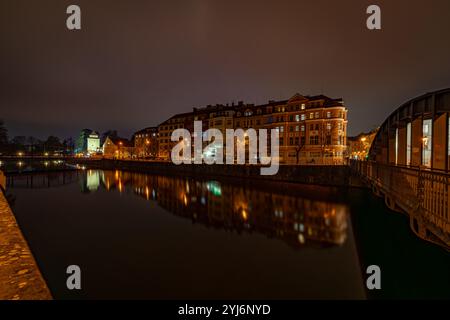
pixel 417 191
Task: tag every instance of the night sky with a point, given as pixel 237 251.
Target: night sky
pixel 136 63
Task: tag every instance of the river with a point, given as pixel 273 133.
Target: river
pixel 152 237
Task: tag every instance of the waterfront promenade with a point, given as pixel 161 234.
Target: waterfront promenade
pixel 20 277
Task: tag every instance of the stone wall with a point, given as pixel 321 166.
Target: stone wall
pixel 20 277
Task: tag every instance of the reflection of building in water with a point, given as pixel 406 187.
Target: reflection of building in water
pixel 294 219
pixel 93 180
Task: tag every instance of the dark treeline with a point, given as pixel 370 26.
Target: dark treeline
pixel 32 145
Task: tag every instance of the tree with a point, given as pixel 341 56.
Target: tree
pixel 19 141
pixel 3 134
pixel 110 133
pixel 52 144
pixel 68 145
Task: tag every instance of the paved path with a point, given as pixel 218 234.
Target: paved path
pixel 20 278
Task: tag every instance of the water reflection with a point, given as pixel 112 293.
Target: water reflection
pixel 297 220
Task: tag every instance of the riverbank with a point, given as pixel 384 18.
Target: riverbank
pixel 331 175
pixel 20 277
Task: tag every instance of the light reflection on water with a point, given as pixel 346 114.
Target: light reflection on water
pixel 296 220
pixel 178 237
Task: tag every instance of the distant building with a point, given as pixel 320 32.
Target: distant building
pixel 117 148
pixel 165 131
pixel 146 143
pixel 358 147
pixel 88 142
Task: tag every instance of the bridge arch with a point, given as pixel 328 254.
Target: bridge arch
pixel 416 134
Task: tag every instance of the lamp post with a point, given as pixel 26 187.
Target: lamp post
pixel 147 145
pixel 120 149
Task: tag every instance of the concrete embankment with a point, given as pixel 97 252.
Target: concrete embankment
pixel 20 278
pixel 332 175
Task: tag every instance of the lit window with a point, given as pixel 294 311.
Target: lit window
pixel 328 114
pixel 317 115
pixel 311 115
pixel 302 117
pixel 303 106
pixel 297 117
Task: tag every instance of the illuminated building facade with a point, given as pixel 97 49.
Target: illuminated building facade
pixel 165 129
pixel 117 148
pixel 146 143
pixel 312 129
pixel 358 147
pixel 88 142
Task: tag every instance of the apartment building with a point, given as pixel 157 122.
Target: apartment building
pixel 146 143
pixel 312 129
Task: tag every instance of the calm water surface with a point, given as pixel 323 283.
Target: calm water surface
pixel 145 236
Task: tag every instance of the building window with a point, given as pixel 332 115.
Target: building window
pixel 291 118
pixel 328 126
pixel 311 115
pixel 396 146
pixel 281 141
pixel 291 141
pixel 311 127
pixel 317 115
pixel 408 144
pixel 302 141
pixel 426 142
pixel 314 140
pixel 282 129
pixel 291 128
pixel 303 106
pixel 297 117
pixel 328 114
pixel 302 128
pixel 302 117
pixel 296 128
pixel 328 140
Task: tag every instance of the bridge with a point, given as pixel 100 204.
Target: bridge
pixel 409 162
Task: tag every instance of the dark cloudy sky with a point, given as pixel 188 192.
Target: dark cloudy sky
pixel 135 63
